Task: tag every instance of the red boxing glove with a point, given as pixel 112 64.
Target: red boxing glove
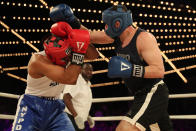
pixel 61 29
pixel 80 41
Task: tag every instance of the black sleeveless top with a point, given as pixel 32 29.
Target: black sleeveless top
pixel 131 54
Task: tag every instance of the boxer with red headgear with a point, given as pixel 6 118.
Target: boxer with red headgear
pixel 48 71
pixel 76 39
pixel 57 47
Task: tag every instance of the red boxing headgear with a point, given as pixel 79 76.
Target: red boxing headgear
pixel 58 50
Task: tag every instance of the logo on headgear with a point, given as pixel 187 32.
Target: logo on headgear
pixel 111 15
pixel 58 50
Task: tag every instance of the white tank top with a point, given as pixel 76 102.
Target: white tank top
pixel 43 86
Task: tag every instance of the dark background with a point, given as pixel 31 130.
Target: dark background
pixel 24 19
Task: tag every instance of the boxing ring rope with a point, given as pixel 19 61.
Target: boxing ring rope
pixel 166 72
pixel 107 84
pixel 130 98
pixel 7 117
pixel 16 77
pixel 114 99
pixel 44 3
pixel 113 118
pixel 118 118
pixel 174 67
pixel 19 36
pixel 95 72
pixel 8 95
pixel 24 41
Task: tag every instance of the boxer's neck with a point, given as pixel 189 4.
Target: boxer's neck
pixel 127 35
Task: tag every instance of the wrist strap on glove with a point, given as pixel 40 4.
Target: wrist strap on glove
pixel 138 71
pixel 77 59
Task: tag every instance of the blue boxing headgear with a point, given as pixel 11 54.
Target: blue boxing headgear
pixel 110 16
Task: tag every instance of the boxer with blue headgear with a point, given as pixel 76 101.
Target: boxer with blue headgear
pixel 114 14
pixel 139 63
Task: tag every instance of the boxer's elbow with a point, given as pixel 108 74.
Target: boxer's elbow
pixel 91 53
pixel 93 56
pixel 160 72
pixel 71 81
pixel 154 72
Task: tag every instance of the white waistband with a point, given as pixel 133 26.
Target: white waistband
pixel 160 82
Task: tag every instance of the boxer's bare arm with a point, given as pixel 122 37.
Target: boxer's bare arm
pixel 150 52
pixel 91 53
pixel 40 66
pixel 100 37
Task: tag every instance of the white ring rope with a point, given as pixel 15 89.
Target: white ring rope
pixel 98 100
pixel 7 117
pixel 8 95
pixel 110 118
pixel 130 98
pixel 118 118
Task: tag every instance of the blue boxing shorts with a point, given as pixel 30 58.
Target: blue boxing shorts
pixel 40 114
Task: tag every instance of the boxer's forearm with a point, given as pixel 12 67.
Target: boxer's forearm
pixel 154 72
pixel 100 37
pixel 91 53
